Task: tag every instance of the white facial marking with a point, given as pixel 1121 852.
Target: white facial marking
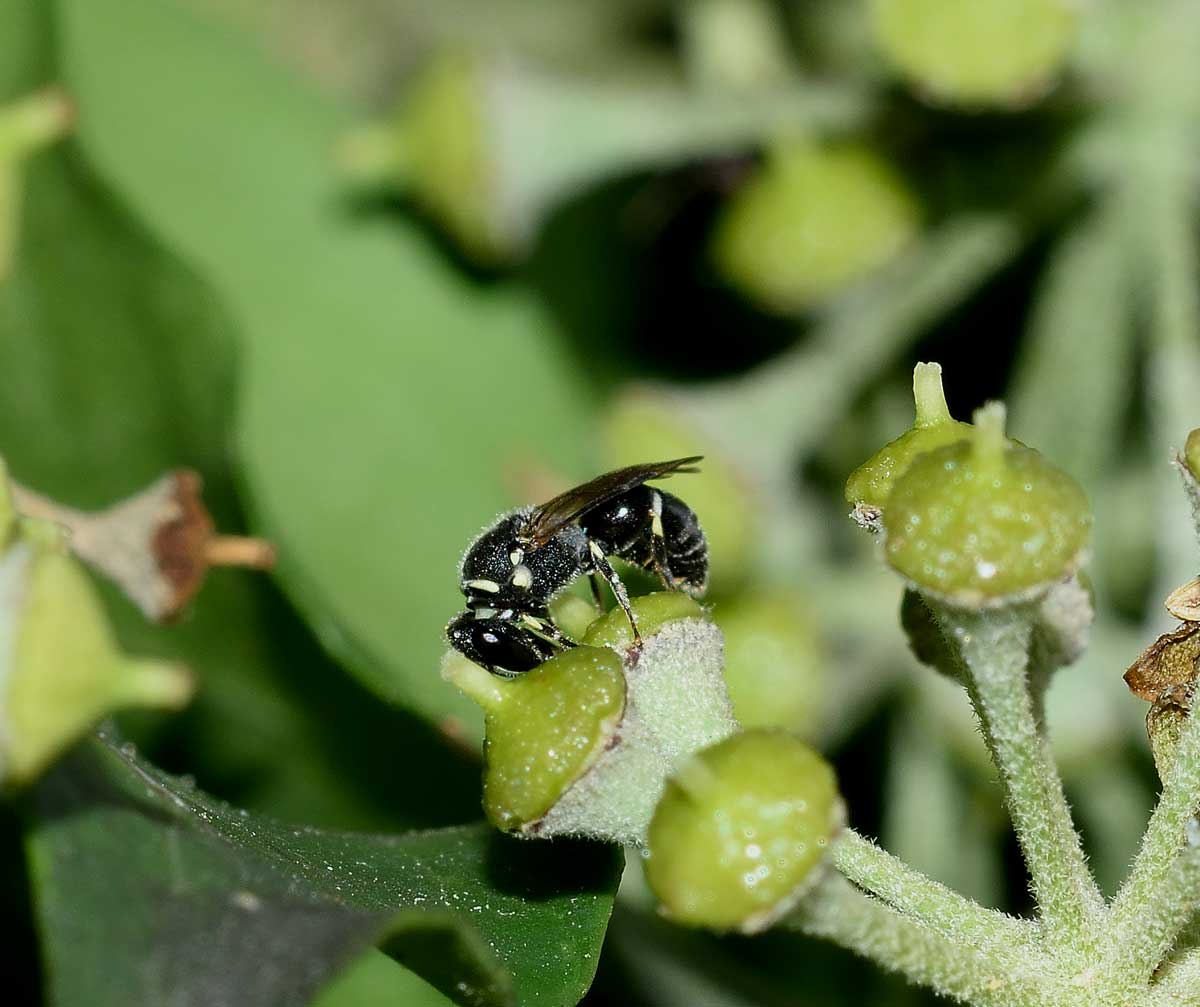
pixel 484 613
pixel 516 556
pixel 522 577
pixel 656 504
pixel 656 527
pixel 490 586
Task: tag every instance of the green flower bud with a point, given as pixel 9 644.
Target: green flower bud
pixel 740 830
pixel 1191 453
pixel 814 219
pixel 60 668
pixel 871 483
pixel 985 52
pixel 544 729
pixel 985 521
pixel 583 744
pixel 775 662
pixel 640 425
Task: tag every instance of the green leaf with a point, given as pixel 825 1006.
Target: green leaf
pixel 151 892
pixel 385 396
pixel 121 365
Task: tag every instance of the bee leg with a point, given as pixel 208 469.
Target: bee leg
pixel 597 597
pixel 549 632
pixel 660 564
pixel 605 569
pixel 658 544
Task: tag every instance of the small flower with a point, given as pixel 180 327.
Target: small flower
pixel 985 522
pixel 740 831
pixel 157 546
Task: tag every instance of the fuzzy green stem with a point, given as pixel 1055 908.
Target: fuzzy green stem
pixel 837 911
pixel 931 904
pixel 1141 940
pixel 1163 887
pixel 995 648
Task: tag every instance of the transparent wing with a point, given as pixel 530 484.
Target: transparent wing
pixel 552 516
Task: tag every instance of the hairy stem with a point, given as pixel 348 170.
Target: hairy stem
pixel 1163 888
pixel 929 903
pixel 995 649
pixel 839 912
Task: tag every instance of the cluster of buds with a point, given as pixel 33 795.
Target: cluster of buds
pixel 968 517
pixel 639 745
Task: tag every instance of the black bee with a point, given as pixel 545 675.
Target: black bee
pixel 512 570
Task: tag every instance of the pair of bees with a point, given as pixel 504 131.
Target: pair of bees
pixel 513 570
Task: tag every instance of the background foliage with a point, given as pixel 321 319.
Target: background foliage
pixel 196 283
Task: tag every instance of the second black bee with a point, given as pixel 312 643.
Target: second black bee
pixel 513 570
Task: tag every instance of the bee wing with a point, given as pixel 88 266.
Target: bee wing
pixel 554 515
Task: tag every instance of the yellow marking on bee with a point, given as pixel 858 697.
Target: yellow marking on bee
pixel 656 527
pixel 595 550
pixel 522 577
pixel 516 556
pixel 490 586
pixel 532 620
pixel 484 613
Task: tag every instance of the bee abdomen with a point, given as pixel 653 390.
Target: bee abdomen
pixel 686 546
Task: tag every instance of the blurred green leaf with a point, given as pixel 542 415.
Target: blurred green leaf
pixel 385 396
pixel 1070 394
pixel 121 365
pixel 202 903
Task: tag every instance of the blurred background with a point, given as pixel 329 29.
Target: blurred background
pixel 380 269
